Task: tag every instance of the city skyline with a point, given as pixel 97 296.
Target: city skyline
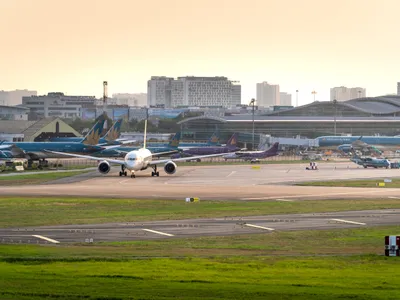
pixel 73 46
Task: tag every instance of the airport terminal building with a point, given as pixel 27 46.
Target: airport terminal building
pixel 363 116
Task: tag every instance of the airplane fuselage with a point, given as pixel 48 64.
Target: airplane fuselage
pixel 334 141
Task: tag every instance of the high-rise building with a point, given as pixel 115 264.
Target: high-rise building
pixel 398 88
pixel 193 91
pixel 12 98
pixel 343 93
pixel 268 95
pixel 285 99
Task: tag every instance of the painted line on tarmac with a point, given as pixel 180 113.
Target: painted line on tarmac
pixel 350 222
pixel 158 232
pixel 394 197
pixel 261 227
pixel 46 239
pixel 284 200
pixel 231 173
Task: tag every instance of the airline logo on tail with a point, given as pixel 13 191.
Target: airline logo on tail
pixel 214 139
pixel 93 136
pixel 232 141
pixel 174 142
pixel 114 131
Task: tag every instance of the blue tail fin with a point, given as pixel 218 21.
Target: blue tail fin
pixel 232 142
pixel 114 132
pixel 214 139
pixel 93 136
pixel 174 142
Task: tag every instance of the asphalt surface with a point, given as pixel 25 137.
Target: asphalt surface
pixel 197 227
pixel 225 182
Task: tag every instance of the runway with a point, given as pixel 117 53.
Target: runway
pixel 197 227
pixel 223 182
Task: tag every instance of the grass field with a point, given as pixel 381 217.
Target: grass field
pixel 112 272
pixel 354 183
pixel 24 179
pixel 23 211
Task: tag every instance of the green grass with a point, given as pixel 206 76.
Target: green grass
pixel 25 211
pixel 355 277
pixel 354 183
pixel 241 267
pixel 24 179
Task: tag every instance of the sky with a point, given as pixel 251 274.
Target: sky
pixel 73 46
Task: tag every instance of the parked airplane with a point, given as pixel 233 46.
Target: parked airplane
pixel 231 146
pixel 37 150
pixel 387 142
pixel 110 138
pixel 371 162
pixel 136 160
pixel 171 147
pixel 254 156
pixel 358 145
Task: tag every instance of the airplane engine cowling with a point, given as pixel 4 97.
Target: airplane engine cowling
pixel 104 167
pixel 170 168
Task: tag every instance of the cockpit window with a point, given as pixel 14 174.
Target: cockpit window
pixel 132 158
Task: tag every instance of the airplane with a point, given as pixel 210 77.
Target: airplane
pixel 382 142
pixel 371 162
pixel 38 150
pixel 190 152
pixel 136 160
pixel 254 156
pixel 360 146
pixel 110 138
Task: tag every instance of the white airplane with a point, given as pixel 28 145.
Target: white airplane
pixel 137 160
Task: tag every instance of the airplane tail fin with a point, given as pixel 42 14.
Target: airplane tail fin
pixel 114 132
pixel 273 149
pixel 232 142
pixel 174 142
pixel 214 139
pixel 145 134
pixel 93 136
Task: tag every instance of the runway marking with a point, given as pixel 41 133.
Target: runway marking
pixel 158 232
pixel 394 197
pixel 231 173
pixel 261 227
pixel 46 239
pixel 350 222
pixel 285 200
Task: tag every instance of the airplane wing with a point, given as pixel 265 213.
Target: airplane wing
pixel 112 161
pixel 156 162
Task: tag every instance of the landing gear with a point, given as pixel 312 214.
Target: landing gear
pixel 155 173
pixel 133 174
pixel 123 172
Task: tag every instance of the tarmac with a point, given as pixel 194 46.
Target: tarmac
pixel 224 182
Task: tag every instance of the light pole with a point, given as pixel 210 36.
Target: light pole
pixel 314 93
pixel 253 102
pixel 334 104
pixel 297 98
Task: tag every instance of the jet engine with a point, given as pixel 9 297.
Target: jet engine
pixel 170 168
pixel 104 167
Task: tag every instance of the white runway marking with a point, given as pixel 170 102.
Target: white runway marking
pixel 394 197
pixel 231 173
pixel 285 200
pixel 158 232
pixel 46 239
pixel 261 227
pixel 350 222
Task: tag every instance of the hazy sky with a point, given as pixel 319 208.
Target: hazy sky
pixel 72 46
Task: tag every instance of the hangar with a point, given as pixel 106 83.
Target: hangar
pixel 363 116
pixel 35 131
